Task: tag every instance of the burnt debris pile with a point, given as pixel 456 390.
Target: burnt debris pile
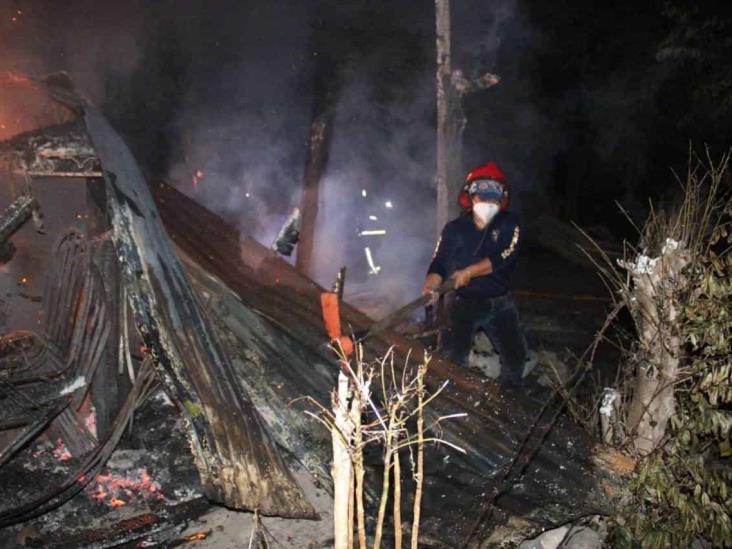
pixel 168 352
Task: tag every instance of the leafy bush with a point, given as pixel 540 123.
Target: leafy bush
pixel 682 491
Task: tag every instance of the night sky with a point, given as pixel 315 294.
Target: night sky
pixel 598 101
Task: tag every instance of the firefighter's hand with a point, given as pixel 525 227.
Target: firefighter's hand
pixel 431 283
pixel 462 277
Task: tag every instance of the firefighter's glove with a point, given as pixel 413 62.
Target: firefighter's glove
pixel 462 277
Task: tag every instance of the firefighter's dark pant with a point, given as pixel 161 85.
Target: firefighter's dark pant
pixel 498 318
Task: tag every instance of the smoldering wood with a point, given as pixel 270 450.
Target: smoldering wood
pixel 31 429
pixel 91 464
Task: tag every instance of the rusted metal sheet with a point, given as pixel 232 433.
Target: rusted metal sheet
pixel 273 313
pixel 238 463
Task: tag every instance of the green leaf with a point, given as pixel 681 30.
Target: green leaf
pixel 725 448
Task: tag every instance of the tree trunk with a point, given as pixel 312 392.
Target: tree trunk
pixel 655 290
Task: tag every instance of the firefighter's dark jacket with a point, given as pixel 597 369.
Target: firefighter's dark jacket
pixel 462 244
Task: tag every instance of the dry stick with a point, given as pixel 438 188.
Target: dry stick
pixel 357 406
pixel 522 456
pixel 388 444
pixel 420 455
pixel 350 505
pixel 397 502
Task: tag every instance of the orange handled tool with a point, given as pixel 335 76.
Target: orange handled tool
pixel 330 304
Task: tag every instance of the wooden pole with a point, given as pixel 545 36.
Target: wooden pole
pixel 442 81
pixel 452 86
pixel 320 131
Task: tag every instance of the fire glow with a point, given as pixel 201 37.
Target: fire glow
pixel 197 176
pixel 117 491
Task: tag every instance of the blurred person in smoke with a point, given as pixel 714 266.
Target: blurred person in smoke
pixel 478 250
pixel 371 220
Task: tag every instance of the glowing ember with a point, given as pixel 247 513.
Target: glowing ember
pixel 60 452
pixel 197 176
pixel 198 536
pixel 117 491
pixel 23 281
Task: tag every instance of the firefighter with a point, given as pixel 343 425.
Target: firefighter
pixel 371 229
pixel 479 250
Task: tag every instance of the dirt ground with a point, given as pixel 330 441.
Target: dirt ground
pixel 227 529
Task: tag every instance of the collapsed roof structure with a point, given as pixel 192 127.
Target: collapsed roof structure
pixel 235 335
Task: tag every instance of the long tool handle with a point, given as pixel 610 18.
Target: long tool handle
pixel 397 316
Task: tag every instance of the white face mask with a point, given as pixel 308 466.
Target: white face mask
pixel 483 212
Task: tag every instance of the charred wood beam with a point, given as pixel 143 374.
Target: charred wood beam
pixel 17 214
